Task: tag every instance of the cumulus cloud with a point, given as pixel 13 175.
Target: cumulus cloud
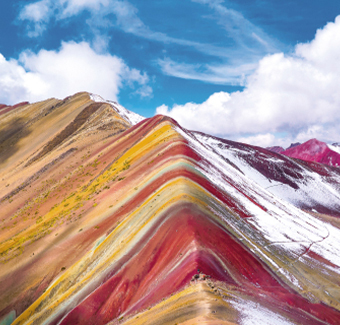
pixel 266 140
pixel 74 67
pixel 298 94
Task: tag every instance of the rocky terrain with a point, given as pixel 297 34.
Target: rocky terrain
pixel 110 218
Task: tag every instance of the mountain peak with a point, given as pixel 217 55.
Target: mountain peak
pixel 132 117
pixel 316 151
pixel 310 147
pixel 292 145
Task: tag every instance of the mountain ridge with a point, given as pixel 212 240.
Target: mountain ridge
pixel 151 223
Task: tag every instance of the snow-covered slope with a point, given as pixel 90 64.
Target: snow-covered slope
pixel 334 148
pixel 279 198
pixel 305 184
pixel 277 149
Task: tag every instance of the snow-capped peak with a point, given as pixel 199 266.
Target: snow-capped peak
pixel 131 117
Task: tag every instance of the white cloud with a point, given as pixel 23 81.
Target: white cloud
pixel 39 14
pixel 262 140
pixel 247 44
pixel 216 74
pixel 328 133
pixel 36 11
pixel 11 81
pixel 244 33
pixel 75 67
pixel 144 91
pixel 286 93
pixel 70 8
pixel 126 18
pixel 252 43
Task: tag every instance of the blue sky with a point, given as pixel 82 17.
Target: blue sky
pixel 160 55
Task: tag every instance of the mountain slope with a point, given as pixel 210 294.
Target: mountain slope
pixel 276 149
pixel 108 223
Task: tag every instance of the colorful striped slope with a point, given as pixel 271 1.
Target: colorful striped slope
pixel 110 219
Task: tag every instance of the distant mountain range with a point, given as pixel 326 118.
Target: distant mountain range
pixel 312 150
pixel 110 218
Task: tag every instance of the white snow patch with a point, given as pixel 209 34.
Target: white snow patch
pixel 334 148
pixel 252 313
pixel 130 117
pixel 329 247
pixel 290 277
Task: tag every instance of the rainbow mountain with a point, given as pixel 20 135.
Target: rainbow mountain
pixel 110 218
